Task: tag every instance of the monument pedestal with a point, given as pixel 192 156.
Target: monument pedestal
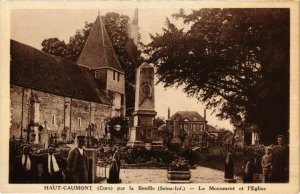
pixel 135 139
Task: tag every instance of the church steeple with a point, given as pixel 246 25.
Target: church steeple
pixel 98 52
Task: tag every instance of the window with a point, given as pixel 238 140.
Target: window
pixel 116 75
pixel 97 74
pixel 79 122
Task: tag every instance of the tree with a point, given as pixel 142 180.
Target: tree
pixel 167 137
pixel 116 27
pixel 182 137
pixel 158 121
pixel 225 138
pixel 118 127
pixel 235 61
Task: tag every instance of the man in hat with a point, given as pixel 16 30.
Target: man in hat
pixel 77 165
pixel 24 169
pixel 280 163
pixel 53 166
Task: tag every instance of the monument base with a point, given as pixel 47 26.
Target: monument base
pixel 133 140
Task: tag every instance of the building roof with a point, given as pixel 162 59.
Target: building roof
pixel 32 68
pixel 189 115
pixel 98 51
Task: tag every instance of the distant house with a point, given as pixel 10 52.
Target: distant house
pixel 189 122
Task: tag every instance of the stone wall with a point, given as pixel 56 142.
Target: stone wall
pixel 59 112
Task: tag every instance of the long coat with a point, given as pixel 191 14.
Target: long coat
pixel 19 173
pixel 56 177
pixel 114 170
pixel 280 164
pixel 73 175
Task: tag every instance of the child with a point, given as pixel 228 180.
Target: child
pixel 266 164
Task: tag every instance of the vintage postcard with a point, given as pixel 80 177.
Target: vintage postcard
pixel 150 96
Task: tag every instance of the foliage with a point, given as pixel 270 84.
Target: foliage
pixel 143 156
pixel 182 136
pixel 235 61
pixel 158 121
pixel 179 164
pixel 225 138
pixel 116 27
pixel 167 137
pixel 118 134
pixel 253 154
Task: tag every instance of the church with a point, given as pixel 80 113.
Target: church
pixel 54 96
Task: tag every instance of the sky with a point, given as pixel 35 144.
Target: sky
pixel 31 27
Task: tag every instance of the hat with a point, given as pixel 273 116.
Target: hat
pixel 51 145
pixel 280 136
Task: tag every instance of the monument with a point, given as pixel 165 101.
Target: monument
pixel 144 109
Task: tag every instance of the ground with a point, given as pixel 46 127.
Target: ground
pixel 199 175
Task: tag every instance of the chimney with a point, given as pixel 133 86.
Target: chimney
pixel 169 113
pixel 205 114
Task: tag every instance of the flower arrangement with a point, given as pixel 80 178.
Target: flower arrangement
pixel 179 164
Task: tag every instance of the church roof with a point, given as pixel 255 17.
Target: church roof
pixel 187 115
pixel 37 70
pixel 98 51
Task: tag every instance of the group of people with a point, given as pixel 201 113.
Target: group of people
pixel 52 168
pixel 275 162
pixel 44 168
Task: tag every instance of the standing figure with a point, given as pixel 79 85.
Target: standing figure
pixel 53 166
pixel 24 169
pixel 114 170
pixel 77 167
pixel 266 164
pixel 280 164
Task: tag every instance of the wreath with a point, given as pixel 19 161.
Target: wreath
pixel 122 131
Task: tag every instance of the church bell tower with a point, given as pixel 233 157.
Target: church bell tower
pixel 99 56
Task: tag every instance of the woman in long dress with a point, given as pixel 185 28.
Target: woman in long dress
pixel 114 170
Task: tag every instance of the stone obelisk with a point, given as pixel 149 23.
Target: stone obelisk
pixel 144 109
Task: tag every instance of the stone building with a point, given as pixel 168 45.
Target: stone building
pixel 53 95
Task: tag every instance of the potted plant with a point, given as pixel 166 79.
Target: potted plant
pixel 178 171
